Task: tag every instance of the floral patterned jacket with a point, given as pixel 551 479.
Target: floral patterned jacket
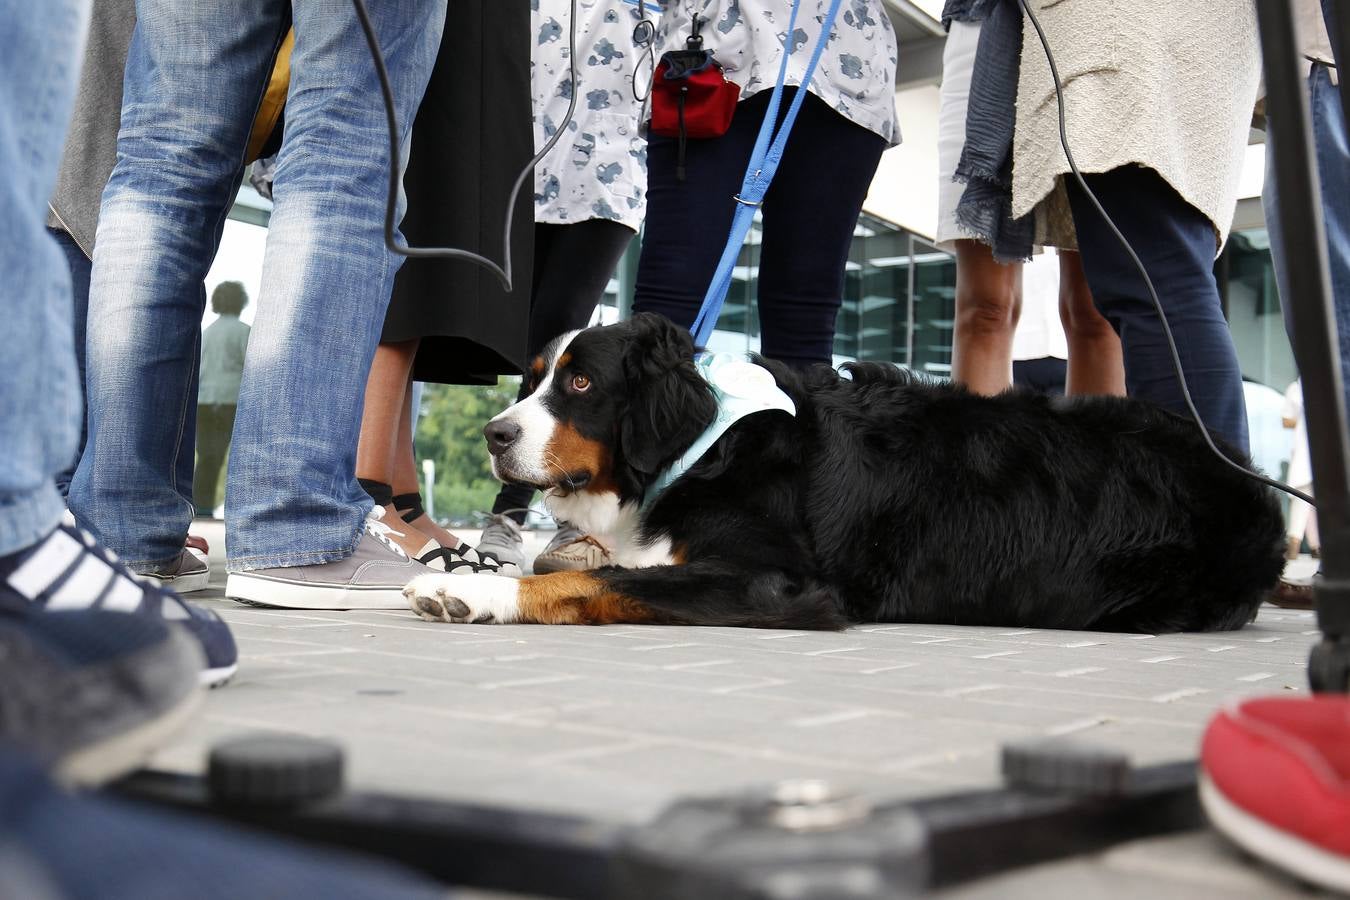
pixel 599 169
pixel 856 72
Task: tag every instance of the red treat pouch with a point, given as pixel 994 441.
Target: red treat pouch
pixel 691 96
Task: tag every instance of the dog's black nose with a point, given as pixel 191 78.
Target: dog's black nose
pixel 500 435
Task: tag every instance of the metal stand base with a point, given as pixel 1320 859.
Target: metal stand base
pixel 798 840
pixel 1329 666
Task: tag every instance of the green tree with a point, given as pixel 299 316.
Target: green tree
pixel 450 432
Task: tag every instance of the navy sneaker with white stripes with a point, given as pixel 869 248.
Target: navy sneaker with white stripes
pixel 92 693
pixel 69 570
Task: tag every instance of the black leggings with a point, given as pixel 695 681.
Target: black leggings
pixel 572 265
pixel 809 215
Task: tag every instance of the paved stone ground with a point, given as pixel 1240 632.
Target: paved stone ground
pixel 1187 867
pixel 616 722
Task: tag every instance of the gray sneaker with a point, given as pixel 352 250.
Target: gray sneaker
pixel 502 541
pixel 371 578
pixel 93 692
pixel 572 551
pixel 188 573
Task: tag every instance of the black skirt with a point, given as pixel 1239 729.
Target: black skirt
pixel 472 136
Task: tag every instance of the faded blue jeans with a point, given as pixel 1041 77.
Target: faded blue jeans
pixel 195 76
pixel 41 45
pixel 79 265
pixel 1332 150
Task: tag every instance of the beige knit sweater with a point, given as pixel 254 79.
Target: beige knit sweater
pixel 1168 85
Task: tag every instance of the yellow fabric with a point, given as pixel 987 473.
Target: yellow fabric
pixel 274 99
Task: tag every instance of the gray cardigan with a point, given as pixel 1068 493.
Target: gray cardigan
pixel 91 143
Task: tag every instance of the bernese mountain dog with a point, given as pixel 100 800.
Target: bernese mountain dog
pixel 880 498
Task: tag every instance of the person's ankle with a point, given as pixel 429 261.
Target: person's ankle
pixel 411 539
pixel 427 526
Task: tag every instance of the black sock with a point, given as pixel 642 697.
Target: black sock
pixel 380 492
pixel 409 506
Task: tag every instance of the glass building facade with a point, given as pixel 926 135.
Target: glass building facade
pixel 899 296
pixel 1252 306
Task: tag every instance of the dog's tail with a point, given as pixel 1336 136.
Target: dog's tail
pixel 879 373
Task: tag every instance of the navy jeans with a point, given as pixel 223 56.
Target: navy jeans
pixel 809 215
pixel 1176 243
pixel 89 847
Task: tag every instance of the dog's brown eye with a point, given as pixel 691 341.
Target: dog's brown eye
pixel 580 383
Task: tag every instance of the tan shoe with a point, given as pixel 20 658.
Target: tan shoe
pixel 1292 594
pixel 572 551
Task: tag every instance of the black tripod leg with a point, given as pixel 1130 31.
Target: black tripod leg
pixel 1315 344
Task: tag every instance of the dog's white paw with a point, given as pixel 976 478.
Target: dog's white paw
pixel 464 599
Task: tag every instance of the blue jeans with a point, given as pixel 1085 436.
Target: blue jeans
pixel 1176 243
pixel 40 50
pixel 195 76
pixel 1333 169
pixel 81 268
pixel 79 265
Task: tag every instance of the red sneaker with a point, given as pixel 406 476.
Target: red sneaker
pixel 1276 780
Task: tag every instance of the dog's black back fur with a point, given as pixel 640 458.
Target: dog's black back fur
pixel 887 498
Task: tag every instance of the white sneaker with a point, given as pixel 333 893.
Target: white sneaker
pixel 373 577
pixel 501 540
pixel 464 560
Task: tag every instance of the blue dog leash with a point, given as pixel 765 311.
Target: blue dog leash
pixel 741 387
pixel 768 152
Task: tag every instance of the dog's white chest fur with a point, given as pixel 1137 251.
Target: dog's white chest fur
pixel 602 514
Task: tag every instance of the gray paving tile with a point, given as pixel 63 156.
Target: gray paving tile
pixel 616 722
pixel 1194 866
pixel 605 721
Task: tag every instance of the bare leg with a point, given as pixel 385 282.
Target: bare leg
pixel 988 303
pixel 1302 523
pixel 405 475
pixel 385 391
pixel 1096 365
pixel 386 396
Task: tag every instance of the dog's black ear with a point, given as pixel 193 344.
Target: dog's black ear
pixel 669 402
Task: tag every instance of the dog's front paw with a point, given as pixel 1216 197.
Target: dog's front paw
pixel 464 599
